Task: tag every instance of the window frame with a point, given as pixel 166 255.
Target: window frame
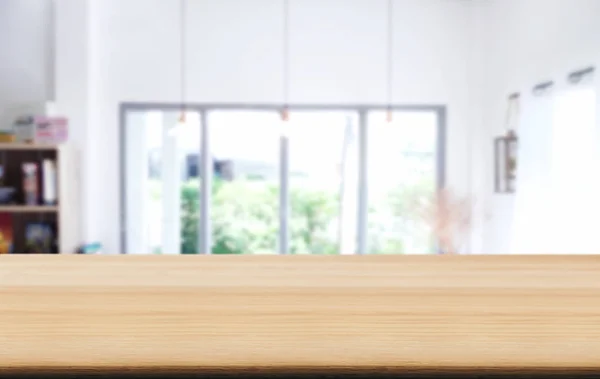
pixel 203 109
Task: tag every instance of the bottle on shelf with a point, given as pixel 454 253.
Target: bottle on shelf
pixel 30 183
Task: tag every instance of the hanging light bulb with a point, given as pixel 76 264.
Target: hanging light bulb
pixel 181 122
pixel 285 114
pixel 285 127
pixel 176 129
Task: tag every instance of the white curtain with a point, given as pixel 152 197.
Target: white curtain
pixel 558 186
pixel 575 172
pixel 534 157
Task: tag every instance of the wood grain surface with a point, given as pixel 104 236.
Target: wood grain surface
pixel 237 312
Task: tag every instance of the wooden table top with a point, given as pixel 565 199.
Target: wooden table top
pixel 299 312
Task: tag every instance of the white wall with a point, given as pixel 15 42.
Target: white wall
pixel 75 92
pixel 26 44
pixel 528 41
pixel 111 51
pixel 338 55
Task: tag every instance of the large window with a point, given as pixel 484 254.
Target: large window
pixel 323 182
pixel 243 181
pixel 402 166
pixel 245 184
pixel 160 172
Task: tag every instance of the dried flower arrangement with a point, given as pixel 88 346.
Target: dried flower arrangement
pixel 449 217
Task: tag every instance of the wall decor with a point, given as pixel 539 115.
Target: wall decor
pixel 505 150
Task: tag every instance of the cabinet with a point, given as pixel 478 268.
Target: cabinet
pixel 61 216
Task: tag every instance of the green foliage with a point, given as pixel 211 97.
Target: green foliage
pixel 398 216
pixel 245 218
pixel 313 221
pixel 190 213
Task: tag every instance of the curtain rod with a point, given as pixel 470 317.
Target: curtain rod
pixel 539 88
pixel 576 76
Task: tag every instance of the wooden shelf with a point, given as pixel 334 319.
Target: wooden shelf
pixel 28 208
pixel 18 146
pixel 63 220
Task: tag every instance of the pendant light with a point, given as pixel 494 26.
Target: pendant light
pixel 505 149
pixel 181 122
pixel 390 58
pixel 285 112
pixel 182 59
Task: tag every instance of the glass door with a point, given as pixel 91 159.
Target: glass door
pixel 161 175
pixel 323 182
pixel 244 211
pixel 402 181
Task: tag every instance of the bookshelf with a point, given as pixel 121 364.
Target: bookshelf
pixel 17 217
